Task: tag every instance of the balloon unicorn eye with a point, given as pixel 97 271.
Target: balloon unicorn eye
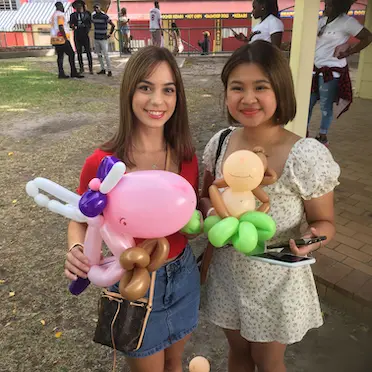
pixel 123 222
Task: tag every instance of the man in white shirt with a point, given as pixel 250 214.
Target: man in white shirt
pixel 155 25
pixel 60 39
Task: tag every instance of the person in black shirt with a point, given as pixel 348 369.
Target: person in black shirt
pixel 100 21
pixel 80 22
pixel 205 44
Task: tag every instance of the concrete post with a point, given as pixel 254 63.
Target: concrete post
pixel 302 59
pixel 364 77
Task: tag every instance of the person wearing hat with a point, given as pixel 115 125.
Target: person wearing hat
pixel 205 44
pixel 59 38
pixel 80 22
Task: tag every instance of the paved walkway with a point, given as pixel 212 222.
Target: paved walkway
pixel 345 265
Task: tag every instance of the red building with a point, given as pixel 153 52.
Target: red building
pixel 216 16
pixel 192 17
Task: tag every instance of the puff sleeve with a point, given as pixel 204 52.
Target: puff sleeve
pixel 313 170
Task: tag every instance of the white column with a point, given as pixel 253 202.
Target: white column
pixel 304 35
pixel 364 76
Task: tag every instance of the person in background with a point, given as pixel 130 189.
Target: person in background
pixel 59 38
pixel 206 43
pixel 331 79
pixel 155 25
pixel 100 21
pixel 270 28
pixel 80 22
pixel 177 41
pixel 125 31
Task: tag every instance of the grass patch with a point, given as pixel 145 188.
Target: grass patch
pixel 23 88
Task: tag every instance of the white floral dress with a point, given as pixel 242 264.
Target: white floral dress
pixel 270 302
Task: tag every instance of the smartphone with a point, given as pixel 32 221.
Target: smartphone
pixel 299 242
pixel 283 259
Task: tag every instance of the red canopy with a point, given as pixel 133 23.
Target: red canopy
pixel 140 10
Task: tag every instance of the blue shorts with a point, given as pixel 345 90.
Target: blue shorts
pixel 124 30
pixel 175 306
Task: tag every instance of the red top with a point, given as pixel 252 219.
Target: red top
pixel 189 171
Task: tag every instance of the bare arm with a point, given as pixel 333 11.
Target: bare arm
pixel 112 24
pixel 76 233
pixel 320 217
pixel 241 37
pixel 276 39
pixel 365 38
pixel 77 264
pixel 62 31
pixel 205 203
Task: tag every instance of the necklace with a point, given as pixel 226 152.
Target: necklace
pixel 154 164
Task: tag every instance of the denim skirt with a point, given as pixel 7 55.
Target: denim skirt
pixel 175 305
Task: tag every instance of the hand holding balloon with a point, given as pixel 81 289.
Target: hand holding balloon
pixel 194 227
pixel 77 264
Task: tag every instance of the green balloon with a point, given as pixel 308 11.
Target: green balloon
pixel 209 222
pixel 193 226
pixel 245 240
pixel 265 225
pixel 221 233
pixel 260 248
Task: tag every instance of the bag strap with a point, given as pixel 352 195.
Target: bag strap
pixel 221 141
pixel 114 296
pixel 152 290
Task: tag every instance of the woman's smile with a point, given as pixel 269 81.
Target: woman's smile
pixel 250 112
pixel 155 114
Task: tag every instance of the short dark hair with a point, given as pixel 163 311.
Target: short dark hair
pixel 58 4
pixel 271 6
pixel 275 65
pixel 341 6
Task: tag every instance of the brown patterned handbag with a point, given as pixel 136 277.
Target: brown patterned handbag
pixel 121 323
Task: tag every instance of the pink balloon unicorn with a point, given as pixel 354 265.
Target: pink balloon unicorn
pixel 118 207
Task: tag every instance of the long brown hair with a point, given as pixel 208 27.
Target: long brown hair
pixel 272 61
pixel 176 130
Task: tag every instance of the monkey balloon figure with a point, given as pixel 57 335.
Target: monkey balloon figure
pixel 237 220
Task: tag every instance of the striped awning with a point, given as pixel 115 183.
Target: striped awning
pixel 7 20
pixel 39 13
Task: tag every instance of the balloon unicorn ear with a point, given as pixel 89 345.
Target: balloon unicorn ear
pixel 94 201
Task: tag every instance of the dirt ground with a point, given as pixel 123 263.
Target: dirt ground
pixel 43 327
